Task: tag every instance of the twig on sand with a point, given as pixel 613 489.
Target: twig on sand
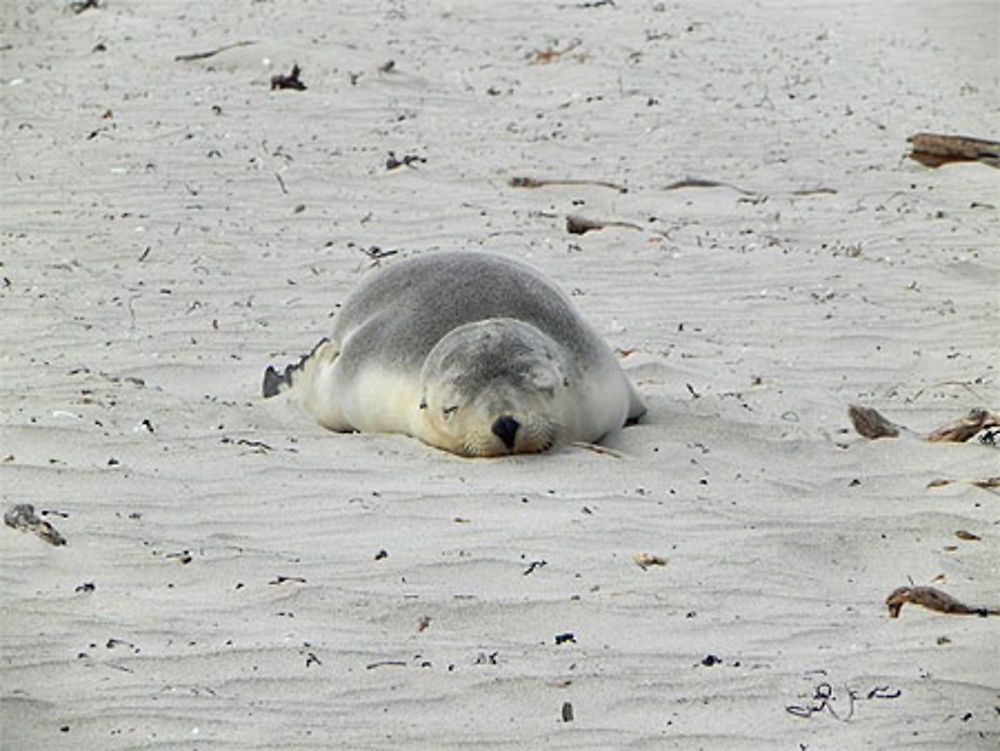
pixel 697 182
pixel 531 182
pixel 22 517
pixel 987 483
pixel 965 428
pixel 597 449
pixel 385 663
pixel 935 149
pixel 548 55
pixel 933 599
pixel 212 53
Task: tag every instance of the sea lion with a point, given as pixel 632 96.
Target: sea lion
pixel 471 352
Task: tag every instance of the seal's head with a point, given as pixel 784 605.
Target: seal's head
pixel 494 387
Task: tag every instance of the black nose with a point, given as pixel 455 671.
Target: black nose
pixel 505 428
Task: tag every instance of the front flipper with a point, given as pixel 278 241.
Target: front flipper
pixel 636 409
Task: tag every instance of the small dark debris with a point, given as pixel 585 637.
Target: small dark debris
pixel 282 579
pixel 254 444
pixel 407 160
pixel 382 554
pixel 534 565
pixel 565 637
pixel 578 225
pixel 79 6
pixel 567 712
pixel 376 253
pixel 86 587
pixel 289 81
pixel 387 67
pixel 711 660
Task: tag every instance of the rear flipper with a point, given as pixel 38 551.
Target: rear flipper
pixel 276 382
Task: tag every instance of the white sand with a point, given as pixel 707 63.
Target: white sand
pixel 156 243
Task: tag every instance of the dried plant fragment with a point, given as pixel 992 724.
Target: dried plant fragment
pixel 933 599
pixel 645 560
pixel 965 428
pixel 531 182
pixel 935 149
pixel 870 423
pixel 22 517
pixel 963 535
pixel 542 57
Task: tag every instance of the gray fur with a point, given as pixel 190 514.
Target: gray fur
pixel 403 332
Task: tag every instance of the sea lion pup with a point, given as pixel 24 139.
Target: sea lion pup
pixel 471 352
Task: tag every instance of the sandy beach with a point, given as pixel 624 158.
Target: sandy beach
pixel 237 577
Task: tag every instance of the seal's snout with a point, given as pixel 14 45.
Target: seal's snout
pixel 505 428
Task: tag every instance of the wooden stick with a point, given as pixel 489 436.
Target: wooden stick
pixel 935 149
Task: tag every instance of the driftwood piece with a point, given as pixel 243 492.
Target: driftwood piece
pixel 870 423
pixel 933 599
pixel 935 149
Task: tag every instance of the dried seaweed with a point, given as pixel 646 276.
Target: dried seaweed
pixel 870 423
pixel 933 599
pixel 964 428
